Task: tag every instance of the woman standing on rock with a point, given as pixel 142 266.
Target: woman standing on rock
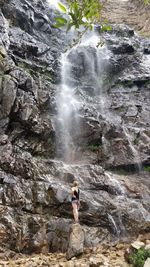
pixel 75 200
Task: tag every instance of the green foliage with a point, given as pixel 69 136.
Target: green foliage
pixel 60 22
pixel 84 13
pixel 81 13
pixel 62 7
pixel 139 257
pixel 93 148
pixel 147 168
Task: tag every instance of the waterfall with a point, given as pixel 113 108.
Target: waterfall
pixel 68 117
pixel 82 65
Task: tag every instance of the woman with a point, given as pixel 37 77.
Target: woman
pixel 75 200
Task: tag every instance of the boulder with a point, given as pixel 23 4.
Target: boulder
pixel 76 241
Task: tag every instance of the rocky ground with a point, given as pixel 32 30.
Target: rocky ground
pixel 99 256
pixel 115 255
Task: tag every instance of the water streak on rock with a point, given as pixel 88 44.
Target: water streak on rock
pixel 134 152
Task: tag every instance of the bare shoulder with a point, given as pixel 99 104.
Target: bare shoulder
pixel 75 188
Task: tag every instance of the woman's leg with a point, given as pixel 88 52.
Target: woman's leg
pixel 75 212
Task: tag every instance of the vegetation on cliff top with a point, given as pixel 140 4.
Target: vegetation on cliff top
pixel 84 13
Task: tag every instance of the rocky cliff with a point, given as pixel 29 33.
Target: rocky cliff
pixel 133 13
pixel 111 143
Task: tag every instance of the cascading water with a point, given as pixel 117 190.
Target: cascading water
pixel 68 117
pixel 88 61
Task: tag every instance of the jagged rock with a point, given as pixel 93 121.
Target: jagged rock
pixel 25 81
pixel 76 241
pixel 124 48
pixel 39 243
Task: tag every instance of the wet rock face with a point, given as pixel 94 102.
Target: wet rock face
pixel 112 87
pixel 35 205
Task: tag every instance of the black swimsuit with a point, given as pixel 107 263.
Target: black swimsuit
pixel 75 196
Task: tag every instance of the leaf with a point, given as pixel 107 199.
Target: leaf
pixel 62 7
pixel 82 12
pixel 72 16
pixel 106 28
pixel 76 10
pixel 61 20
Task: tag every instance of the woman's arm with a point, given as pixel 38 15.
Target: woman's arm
pixel 72 191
